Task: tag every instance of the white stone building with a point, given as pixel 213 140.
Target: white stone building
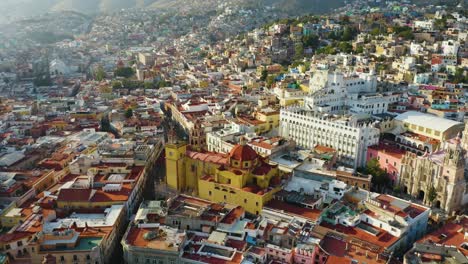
pixel 424 24
pixel 336 92
pixel 348 136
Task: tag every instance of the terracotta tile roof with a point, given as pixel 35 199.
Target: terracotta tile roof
pixel 211 157
pixel 383 239
pixel 233 215
pixel 243 153
pixel 136 238
pixel 14 236
pixel 333 246
pixel 75 195
pixel 450 234
pixel 116 196
pixel 312 214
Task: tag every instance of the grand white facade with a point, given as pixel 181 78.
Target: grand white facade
pixel 337 92
pixel 348 136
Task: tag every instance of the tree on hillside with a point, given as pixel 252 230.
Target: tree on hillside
pixel 100 74
pixel 311 41
pixel 359 49
pixel 345 47
pixel 270 80
pixel 129 112
pixel 459 77
pixel 116 85
pixel 329 49
pixel 125 72
pixel 298 52
pixel 264 75
pixel 347 34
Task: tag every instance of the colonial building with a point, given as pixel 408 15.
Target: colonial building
pixel 427 125
pixel 349 136
pixel 242 177
pixel 338 92
pixel 441 172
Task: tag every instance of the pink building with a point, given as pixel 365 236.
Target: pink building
pixel 281 254
pixel 305 253
pixel 389 157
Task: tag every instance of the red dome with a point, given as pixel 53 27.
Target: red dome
pixel 243 153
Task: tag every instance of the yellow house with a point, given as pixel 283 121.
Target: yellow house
pixel 243 177
pixel 11 216
pixel 261 122
pixel 305 88
pixel 271 118
pixel 58 124
pixel 203 83
pixel 84 115
pixel 291 101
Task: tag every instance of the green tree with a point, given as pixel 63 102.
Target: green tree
pixel 105 125
pixel 264 75
pixel 311 41
pixel 163 83
pixel 459 76
pixel 270 80
pixel 431 195
pixel 375 31
pixel 345 47
pixel 407 35
pixel 329 49
pixel 125 72
pixel 100 74
pixel 347 34
pixel 440 24
pixel 359 49
pixel 298 52
pixel 129 112
pixel 381 58
pixel 379 176
pixel 116 85
pixel 149 85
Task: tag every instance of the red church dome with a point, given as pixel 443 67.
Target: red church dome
pixel 243 153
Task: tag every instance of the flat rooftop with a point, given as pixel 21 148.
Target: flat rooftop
pixel 162 238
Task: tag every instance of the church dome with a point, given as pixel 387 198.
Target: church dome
pixel 243 153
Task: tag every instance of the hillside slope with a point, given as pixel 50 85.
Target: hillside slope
pixel 19 8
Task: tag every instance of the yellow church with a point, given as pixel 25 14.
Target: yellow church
pixel 241 177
